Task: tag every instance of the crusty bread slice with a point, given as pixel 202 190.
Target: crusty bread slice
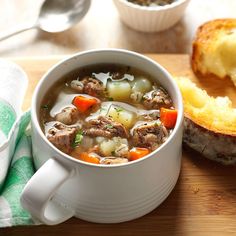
pixel 210 123
pixel 214 49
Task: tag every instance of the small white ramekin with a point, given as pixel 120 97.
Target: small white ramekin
pixel 150 19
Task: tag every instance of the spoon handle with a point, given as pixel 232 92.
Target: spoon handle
pixel 17 30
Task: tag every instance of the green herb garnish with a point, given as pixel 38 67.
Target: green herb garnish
pixel 78 138
pixel 110 99
pixel 109 126
pixel 118 109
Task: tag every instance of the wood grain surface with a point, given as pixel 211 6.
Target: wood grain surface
pixel 203 203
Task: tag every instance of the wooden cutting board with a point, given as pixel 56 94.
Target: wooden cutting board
pixel 204 199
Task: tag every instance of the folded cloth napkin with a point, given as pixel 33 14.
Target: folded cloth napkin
pixel 16 163
pixel 19 172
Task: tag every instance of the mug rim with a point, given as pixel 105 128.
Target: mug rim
pixel 36 123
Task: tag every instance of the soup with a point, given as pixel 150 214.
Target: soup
pixel 152 3
pixel 107 114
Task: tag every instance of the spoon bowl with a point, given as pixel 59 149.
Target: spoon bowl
pixel 60 15
pixel 54 16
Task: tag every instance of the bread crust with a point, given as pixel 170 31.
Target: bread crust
pixel 212 145
pixel 204 42
pixel 209 125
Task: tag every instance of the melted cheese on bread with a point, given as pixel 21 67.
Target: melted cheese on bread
pixel 222 61
pixel 214 49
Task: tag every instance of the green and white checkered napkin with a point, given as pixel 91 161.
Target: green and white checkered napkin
pixel 18 173
pixel 16 163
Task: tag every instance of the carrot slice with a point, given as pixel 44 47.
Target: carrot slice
pixel 84 103
pixel 168 117
pixel 137 152
pixel 89 157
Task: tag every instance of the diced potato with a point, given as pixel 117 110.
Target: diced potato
pixel 99 139
pixel 142 85
pixel 119 90
pixel 120 140
pixel 111 147
pixel 122 116
pixel 107 147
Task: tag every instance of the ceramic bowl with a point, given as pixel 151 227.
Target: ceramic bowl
pixel 150 19
pixel 64 186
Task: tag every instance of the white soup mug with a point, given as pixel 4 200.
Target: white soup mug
pixel 64 187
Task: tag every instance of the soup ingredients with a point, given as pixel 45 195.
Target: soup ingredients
pixel 156 99
pixel 126 118
pixel 113 76
pixel 116 146
pixel 78 138
pixel 137 153
pixel 168 117
pixel 107 114
pixel 92 86
pixel 152 2
pixel 105 127
pixel 122 151
pixel 89 86
pixel 150 135
pixel 142 85
pixel 68 115
pixel 136 97
pixel 151 115
pixel 119 90
pixel 114 160
pixel 89 157
pixel 83 103
pixel 77 85
pixel 107 147
pixel 62 137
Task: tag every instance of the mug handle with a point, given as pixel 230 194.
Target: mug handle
pixel 37 195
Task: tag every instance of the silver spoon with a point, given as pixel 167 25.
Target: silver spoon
pixel 55 16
